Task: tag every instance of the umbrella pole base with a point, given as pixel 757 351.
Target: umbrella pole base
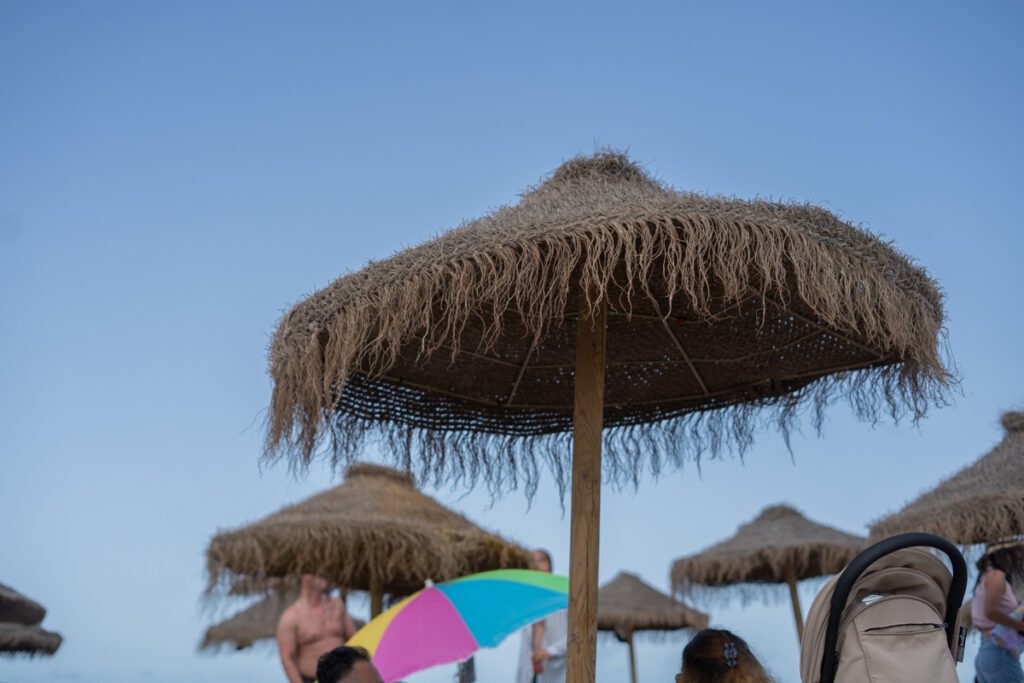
pixel 585 515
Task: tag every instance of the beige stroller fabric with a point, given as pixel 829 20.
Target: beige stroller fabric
pixel 891 630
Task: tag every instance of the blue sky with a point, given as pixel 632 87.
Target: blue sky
pixel 174 175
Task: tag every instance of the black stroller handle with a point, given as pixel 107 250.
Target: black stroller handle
pixel 841 593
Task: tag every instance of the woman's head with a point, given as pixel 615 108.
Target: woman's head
pixel 719 656
pixel 1006 556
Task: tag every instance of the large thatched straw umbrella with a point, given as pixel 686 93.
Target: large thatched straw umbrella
pixel 780 546
pixel 374 532
pixel 20 632
pixel 628 604
pixel 982 503
pixel 602 300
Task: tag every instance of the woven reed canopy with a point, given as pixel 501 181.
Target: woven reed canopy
pixel 19 639
pixel 780 546
pixel 627 603
pixel 982 503
pixel 716 306
pixel 375 530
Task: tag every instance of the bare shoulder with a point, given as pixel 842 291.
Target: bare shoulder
pixel 289 617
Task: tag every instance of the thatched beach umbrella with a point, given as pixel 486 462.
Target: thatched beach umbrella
pixel 252 624
pixel 603 299
pixel 628 604
pixel 780 546
pixel 375 532
pixel 18 639
pixel 16 608
pixel 20 632
pixel 982 503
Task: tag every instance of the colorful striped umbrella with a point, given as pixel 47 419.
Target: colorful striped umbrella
pixel 449 621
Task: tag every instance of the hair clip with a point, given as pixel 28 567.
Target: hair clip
pixel 731 654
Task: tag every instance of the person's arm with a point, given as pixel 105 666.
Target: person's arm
pixel 288 647
pixel 995 586
pixel 537 635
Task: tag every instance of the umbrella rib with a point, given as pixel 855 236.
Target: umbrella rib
pixel 879 355
pixel 681 349
pixel 522 371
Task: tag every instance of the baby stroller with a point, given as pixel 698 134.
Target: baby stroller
pixel 890 617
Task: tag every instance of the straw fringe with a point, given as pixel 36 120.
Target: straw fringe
pixel 522 264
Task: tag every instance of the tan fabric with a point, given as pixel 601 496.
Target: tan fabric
pixel 891 629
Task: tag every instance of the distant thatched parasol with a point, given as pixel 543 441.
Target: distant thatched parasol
pixel 16 639
pixel 251 625
pixel 254 623
pixel 16 608
pixel 374 532
pixel 603 298
pixel 981 503
pixel 780 546
pixel 20 633
pixel 627 604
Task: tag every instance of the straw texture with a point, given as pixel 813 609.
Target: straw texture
pixel 19 639
pixel 763 551
pixel 982 503
pixel 627 603
pixel 461 350
pixel 376 526
pixel 16 608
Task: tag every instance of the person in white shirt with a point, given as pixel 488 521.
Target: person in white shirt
pixel 543 644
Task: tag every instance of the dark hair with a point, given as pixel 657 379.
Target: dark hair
pixel 1009 561
pixel 336 664
pixel 720 656
pixel 547 556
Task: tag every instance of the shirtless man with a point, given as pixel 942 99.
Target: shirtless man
pixel 314 624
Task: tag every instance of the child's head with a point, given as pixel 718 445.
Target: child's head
pixel 719 656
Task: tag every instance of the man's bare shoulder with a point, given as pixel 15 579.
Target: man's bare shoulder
pixel 290 615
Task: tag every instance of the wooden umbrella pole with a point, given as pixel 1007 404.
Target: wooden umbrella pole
pixel 632 658
pixel 585 516
pixel 795 597
pixel 376 597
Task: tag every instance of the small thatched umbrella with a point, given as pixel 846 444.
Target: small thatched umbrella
pixel 627 604
pixel 374 532
pixel 16 608
pixel 252 624
pixel 780 546
pixel 982 503
pixel 18 639
pixel 20 632
pixel 602 299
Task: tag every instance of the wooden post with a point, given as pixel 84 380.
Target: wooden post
pixel 376 597
pixel 585 516
pixel 795 597
pixel 632 658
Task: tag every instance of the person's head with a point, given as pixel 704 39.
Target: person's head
pixel 719 656
pixel 314 584
pixel 346 665
pixel 1006 556
pixel 541 560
